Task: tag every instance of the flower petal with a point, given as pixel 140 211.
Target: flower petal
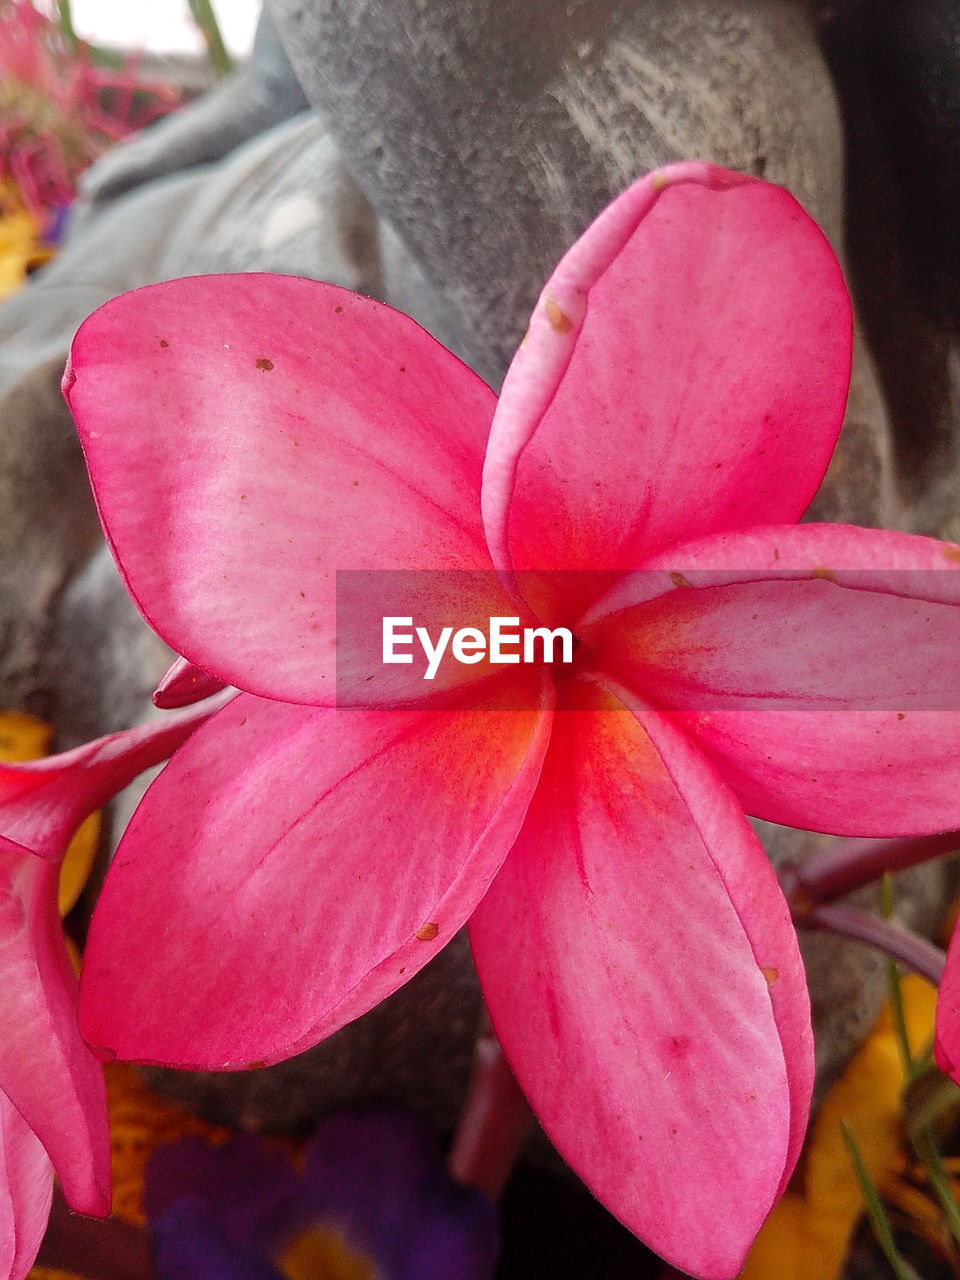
pixel 685 372
pixel 258 902
pixel 189 1244
pixel 46 1070
pixel 42 802
pixel 26 1190
pixel 947 1039
pixel 816 664
pixel 365 1172
pixel 249 435
pixel 643 976
pixel 369 1170
pixel 183 684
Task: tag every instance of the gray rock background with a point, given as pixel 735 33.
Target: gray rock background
pixel 441 157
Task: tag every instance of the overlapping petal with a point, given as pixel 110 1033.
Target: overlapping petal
pixel 685 372
pixel 289 424
pixel 46 1071
pixel 42 802
pixel 377 1168
pixel 183 684
pixel 26 1189
pixel 293 867
pixel 816 664
pixel 642 973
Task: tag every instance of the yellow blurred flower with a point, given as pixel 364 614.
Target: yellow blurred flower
pixel 808 1234
pixel 21 250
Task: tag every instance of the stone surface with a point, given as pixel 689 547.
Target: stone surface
pixel 262 93
pixel 897 69
pixel 453 153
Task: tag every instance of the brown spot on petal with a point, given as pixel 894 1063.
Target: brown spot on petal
pixel 679 580
pixel 827 575
pixel 427 932
pixel 659 181
pixel 559 321
pixel 164 342
pixel 257 1064
pixel 771 975
pixel 901 715
pixel 264 364
pixel 952 553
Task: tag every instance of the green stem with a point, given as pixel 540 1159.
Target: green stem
pixel 895 989
pixel 65 21
pixel 205 18
pixel 930 1158
pixel 878 1218
pixel 895 996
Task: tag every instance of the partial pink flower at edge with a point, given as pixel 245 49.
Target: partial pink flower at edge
pixel 678 396
pixel 52 1095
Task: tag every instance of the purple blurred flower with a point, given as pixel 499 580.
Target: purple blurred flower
pixel 373 1193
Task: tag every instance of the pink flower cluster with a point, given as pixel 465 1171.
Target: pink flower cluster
pixel 59 109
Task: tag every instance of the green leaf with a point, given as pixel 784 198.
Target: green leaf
pixel 203 15
pixel 930 1157
pixel 878 1216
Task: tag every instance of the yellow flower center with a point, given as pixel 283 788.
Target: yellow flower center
pixel 320 1253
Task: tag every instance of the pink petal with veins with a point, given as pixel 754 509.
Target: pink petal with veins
pixel 642 974
pixel 821 677
pixel 295 430
pixel 46 1071
pixel 293 866
pixel 685 372
pixel 42 802
pixel 26 1190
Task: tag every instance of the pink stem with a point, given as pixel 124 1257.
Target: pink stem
pixel 495 1123
pixel 846 865
pixel 898 943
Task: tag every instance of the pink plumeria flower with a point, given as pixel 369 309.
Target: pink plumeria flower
pixel 666 421
pixel 53 1111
